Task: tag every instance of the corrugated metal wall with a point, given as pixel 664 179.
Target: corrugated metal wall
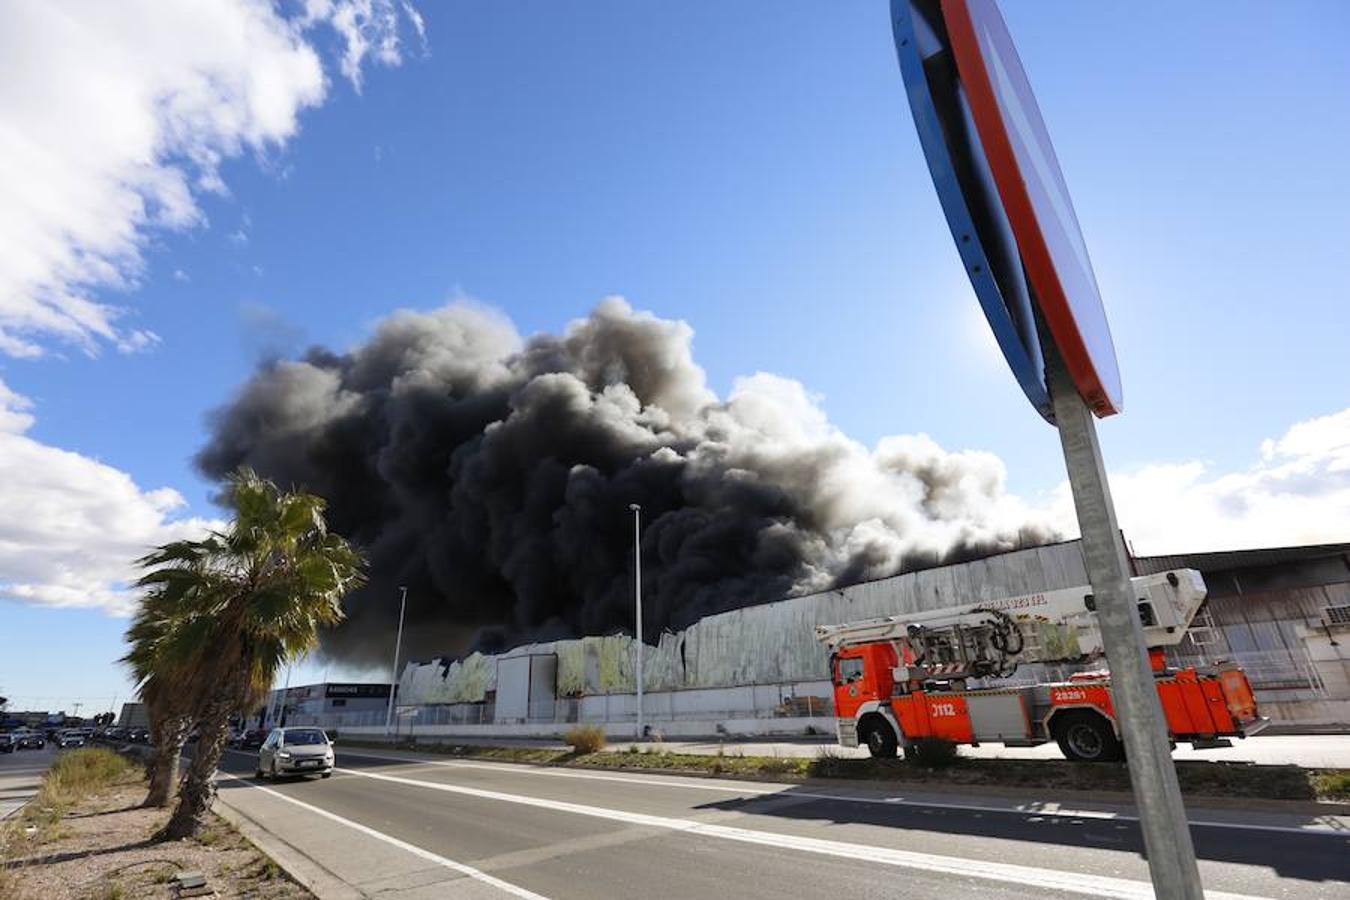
pixel 769 644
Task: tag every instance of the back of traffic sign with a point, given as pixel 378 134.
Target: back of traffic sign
pixel 1004 195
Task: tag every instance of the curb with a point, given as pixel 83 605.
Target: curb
pixel 297 866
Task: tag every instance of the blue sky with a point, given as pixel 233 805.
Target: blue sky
pixel 753 170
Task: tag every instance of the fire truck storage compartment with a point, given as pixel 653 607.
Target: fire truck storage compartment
pixel 999 717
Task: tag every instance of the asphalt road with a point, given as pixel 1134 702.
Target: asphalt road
pixel 1306 750
pixel 21 775
pixel 472 828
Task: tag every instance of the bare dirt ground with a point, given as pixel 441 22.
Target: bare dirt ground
pixel 100 850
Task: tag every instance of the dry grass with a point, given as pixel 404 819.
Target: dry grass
pixel 1332 784
pixel 584 739
pixel 85 836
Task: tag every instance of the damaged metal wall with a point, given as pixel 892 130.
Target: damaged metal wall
pixel 769 644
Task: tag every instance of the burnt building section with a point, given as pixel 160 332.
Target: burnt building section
pixel 1282 614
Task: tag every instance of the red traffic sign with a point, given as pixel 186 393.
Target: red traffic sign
pixel 1035 198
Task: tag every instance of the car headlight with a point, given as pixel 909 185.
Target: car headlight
pixel 284 755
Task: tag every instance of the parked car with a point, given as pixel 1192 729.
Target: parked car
pixel 296 751
pixel 28 740
pixel 71 737
pixel 252 739
pixel 6 743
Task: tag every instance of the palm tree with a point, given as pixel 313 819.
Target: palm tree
pixel 166 698
pixel 244 600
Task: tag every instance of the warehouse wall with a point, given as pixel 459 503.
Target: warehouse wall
pixel 769 644
pixel 1262 604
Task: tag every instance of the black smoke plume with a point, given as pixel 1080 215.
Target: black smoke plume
pixel 493 475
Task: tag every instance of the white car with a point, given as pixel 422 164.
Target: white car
pixel 71 737
pixel 296 751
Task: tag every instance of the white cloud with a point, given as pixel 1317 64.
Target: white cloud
pixel 115 117
pixel 367 28
pixel 81 524
pixel 1298 492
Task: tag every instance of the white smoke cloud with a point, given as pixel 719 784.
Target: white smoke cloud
pixel 1296 492
pixel 115 117
pixel 72 525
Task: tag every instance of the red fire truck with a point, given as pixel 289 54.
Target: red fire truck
pixel 937 674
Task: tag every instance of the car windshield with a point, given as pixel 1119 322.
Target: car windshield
pixel 305 738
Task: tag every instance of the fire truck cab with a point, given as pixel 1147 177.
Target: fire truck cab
pixel 902 678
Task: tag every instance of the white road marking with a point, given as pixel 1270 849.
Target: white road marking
pixel 1044 879
pixel 730 786
pixel 476 874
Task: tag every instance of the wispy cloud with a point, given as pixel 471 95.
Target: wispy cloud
pixel 125 112
pixel 1296 491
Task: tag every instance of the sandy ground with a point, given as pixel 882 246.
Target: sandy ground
pixel 100 850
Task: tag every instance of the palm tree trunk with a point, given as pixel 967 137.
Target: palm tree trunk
pixel 169 736
pixel 199 788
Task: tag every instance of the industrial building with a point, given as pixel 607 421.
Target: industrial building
pixel 1283 614
pixel 327 704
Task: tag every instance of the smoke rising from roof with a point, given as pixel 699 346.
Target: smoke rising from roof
pixel 492 475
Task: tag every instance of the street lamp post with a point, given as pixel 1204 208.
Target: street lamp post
pixel 637 603
pixel 398 645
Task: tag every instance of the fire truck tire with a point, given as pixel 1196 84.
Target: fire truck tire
pixel 879 736
pixel 1087 737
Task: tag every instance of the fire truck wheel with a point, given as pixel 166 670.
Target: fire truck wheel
pixel 1087 737
pixel 879 737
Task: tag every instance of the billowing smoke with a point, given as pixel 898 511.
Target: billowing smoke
pixel 492 476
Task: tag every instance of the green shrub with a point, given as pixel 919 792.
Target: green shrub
pixel 585 739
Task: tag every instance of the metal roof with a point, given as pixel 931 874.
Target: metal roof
pixel 1241 559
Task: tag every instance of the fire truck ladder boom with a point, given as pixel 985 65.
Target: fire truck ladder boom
pixel 992 638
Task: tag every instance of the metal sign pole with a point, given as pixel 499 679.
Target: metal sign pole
pixel 1162 817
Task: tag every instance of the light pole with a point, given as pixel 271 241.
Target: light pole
pixel 637 603
pixel 398 645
